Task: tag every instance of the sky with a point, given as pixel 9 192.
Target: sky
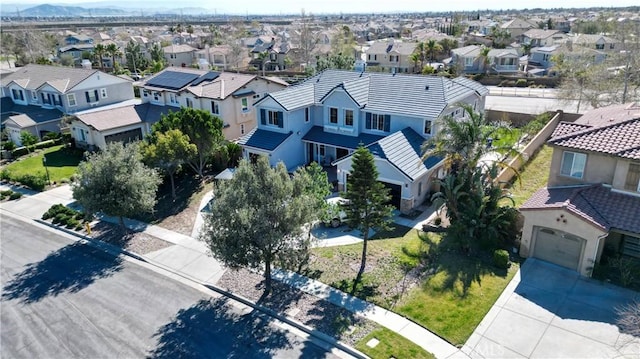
pixel 345 6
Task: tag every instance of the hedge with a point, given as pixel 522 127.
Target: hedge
pixel 21 151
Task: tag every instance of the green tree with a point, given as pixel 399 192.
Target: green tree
pixel 420 53
pixel 261 217
pixel 116 182
pixel 337 61
pixel 28 139
pixel 367 202
pixel 433 48
pixel 98 52
pixel 203 129
pixel 135 59
pixel 157 53
pixel 169 151
pixel 483 56
pixel 113 51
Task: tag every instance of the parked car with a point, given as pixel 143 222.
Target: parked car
pixel 335 216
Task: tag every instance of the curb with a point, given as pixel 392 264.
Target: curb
pixel 115 250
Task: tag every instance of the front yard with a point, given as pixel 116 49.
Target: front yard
pixel 419 276
pixel 62 163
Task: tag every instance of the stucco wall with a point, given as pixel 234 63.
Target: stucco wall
pixel 551 218
pixel 598 169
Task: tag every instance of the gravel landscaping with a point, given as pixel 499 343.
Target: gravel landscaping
pixel 137 242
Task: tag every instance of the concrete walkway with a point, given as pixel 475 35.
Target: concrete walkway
pixel 190 257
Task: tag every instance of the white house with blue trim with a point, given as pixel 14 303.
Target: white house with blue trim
pixel 326 117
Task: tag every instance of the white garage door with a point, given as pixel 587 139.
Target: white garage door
pixel 558 247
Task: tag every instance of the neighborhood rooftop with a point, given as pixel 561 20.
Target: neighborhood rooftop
pixel 61 78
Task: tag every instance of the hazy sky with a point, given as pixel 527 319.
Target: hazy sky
pixel 347 6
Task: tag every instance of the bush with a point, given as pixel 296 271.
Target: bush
pixel 44 144
pixel 5 175
pixel 72 223
pixel 36 182
pixel 61 218
pixel 501 258
pixel 9 146
pixel 15 195
pixel 20 151
pixel 51 136
pixel 521 83
pixel 6 193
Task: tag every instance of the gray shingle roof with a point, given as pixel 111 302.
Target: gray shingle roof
pixel 36 114
pixel 317 135
pixel 263 139
pixel 596 204
pixel 33 76
pixel 406 95
pixel 402 150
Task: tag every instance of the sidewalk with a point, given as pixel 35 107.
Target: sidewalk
pixel 190 257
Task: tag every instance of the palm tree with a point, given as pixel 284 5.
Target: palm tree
pixel 421 52
pixel 483 56
pixel 415 58
pixel 113 51
pixel 99 51
pixel 433 48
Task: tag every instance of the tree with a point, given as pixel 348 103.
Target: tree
pixel 628 318
pixel 306 38
pixel 98 52
pixel 113 51
pixel 448 45
pixel 337 61
pixel 261 217
pixel 367 202
pixel 343 42
pixel 484 58
pixel 116 182
pixel 157 53
pixel 203 129
pixel 433 48
pixel 28 139
pixel 169 151
pixel 421 53
pixel 135 59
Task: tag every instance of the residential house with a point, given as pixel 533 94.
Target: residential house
pixel 503 61
pixel 221 57
pixel 596 42
pixel 34 119
pixel 392 56
pixel 539 37
pixel 35 88
pixel 78 39
pixel 75 51
pixel 592 199
pixel 270 56
pixel 325 118
pixel 469 60
pixel 179 55
pixel 540 61
pixel 94 129
pixel 230 96
pixel 517 27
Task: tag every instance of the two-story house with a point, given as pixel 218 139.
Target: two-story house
pixel 391 56
pixel 325 119
pixel 596 42
pixel 222 57
pixel 592 198
pixel 469 60
pixel 63 90
pixel 540 37
pixel 230 96
pixel 179 55
pixel 541 59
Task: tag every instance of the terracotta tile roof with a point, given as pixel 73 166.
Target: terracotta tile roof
pixel 596 204
pixel 613 130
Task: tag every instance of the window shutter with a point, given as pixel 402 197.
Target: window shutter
pixel 43 100
pixel 263 116
pixel 95 92
pixel 280 119
pixel 86 94
pixel 368 121
pixel 387 123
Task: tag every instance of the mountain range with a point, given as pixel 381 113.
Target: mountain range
pixel 96 9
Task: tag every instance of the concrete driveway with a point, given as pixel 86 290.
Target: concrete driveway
pixel 551 312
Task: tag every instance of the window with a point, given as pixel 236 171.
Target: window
pixel 245 105
pixel 215 109
pixel 189 103
pixel 333 115
pixel 545 57
pixel 427 127
pixel 348 118
pixel 46 98
pixel 103 93
pixel 573 164
pixel 91 96
pixel 378 122
pixel 156 96
pixel 321 150
pixel 18 95
pixel 242 128
pixel 633 178
pixel 173 98
pixel 145 93
pixel 419 188
pixel 71 98
pixel 34 96
pixel 468 61
pixel 306 114
pixel 599 46
pixel 612 46
pixel 273 118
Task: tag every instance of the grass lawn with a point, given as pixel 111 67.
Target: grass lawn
pixel 391 345
pixel 450 302
pixel 533 176
pixel 61 162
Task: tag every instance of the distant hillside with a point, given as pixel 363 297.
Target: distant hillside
pixel 46 10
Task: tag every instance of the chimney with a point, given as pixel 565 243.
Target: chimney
pixel 221 88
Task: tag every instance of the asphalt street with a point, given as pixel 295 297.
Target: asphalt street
pixel 63 299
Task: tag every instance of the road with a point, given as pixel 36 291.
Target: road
pixel 530 100
pixel 63 299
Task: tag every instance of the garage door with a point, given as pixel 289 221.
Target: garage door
pixel 558 247
pixel 395 191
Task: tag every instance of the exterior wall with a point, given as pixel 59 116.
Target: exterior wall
pixel 118 90
pixel 594 237
pixel 340 100
pixel 620 174
pixel 97 138
pixel 181 59
pixel 17 100
pixel 598 169
pixel 401 63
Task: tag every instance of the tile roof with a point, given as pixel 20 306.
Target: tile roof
pixel 36 114
pixel 33 76
pixel 263 139
pixel 202 83
pixel 22 120
pixel 540 33
pixel 178 49
pixel 403 150
pixel 467 51
pixel 408 95
pixel 617 135
pixel 317 135
pixel 385 47
pixel 596 204
pixel 111 118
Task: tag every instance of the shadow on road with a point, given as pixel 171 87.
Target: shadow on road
pixel 213 329
pixel 69 269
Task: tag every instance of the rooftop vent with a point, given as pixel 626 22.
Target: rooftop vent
pixel 426 88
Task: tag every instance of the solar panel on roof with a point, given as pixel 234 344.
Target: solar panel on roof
pixel 172 80
pixel 209 76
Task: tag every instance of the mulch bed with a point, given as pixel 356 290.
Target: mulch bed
pixel 137 242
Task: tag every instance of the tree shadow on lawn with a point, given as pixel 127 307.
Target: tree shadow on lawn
pixel 460 269
pixel 69 269
pixel 64 157
pixel 213 329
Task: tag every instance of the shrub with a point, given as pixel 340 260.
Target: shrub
pixel 5 175
pixel 61 218
pixel 9 146
pixel 521 83
pixel 6 193
pixel 51 136
pixel 501 258
pixel 44 144
pixel 15 195
pixel 36 182
pixel 20 151
pixel 72 223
